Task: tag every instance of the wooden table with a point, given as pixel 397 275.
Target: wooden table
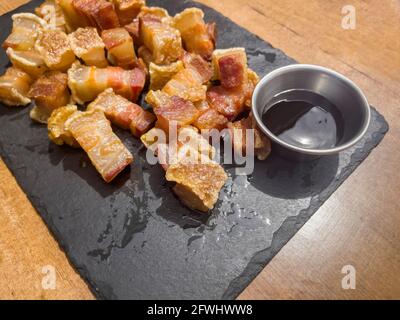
pixel 358 225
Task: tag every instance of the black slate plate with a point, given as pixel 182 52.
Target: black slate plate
pixel 133 238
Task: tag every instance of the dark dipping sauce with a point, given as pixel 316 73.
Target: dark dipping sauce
pixel 304 119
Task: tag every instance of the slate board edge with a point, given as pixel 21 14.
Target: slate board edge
pixel 36 203
pixel 258 262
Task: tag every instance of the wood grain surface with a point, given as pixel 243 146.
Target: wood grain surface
pixel 359 225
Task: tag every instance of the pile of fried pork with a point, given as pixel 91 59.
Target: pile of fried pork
pixel 84 64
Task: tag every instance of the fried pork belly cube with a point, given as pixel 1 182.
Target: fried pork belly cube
pixel 24 31
pixel 127 10
pixel 238 132
pixel 88 46
pixel 196 35
pixel 211 119
pixel 49 92
pixel 94 134
pixel 230 67
pixel 161 39
pixel 198 184
pixel 228 102
pixel 28 61
pixel 14 87
pixel 160 75
pixel 54 47
pixel 86 83
pixel 56 126
pixel 123 113
pixel 142 122
pixel 157 98
pixel 51 12
pixel 187 85
pixel 121 51
pixel 198 64
pixel 99 13
pixel 231 102
pixel 73 18
pixel 177 110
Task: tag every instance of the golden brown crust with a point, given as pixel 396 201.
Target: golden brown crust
pixel 14 87
pixel 127 10
pixel 162 40
pixel 84 39
pixel 54 47
pixel 49 92
pixel 51 12
pixel 195 33
pixel 120 48
pixel 56 126
pixel 94 134
pixel 28 61
pixel 160 75
pixel 198 185
pixel 24 31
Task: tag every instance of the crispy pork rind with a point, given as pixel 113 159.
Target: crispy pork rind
pixel 88 46
pixel 198 185
pixel 163 41
pixel 54 47
pixel 157 98
pixel 127 10
pixel 196 35
pixel 160 75
pixel 86 83
pixel 123 113
pixel 120 48
pixel 56 126
pixel 186 84
pixel 51 12
pixel 24 32
pixel 94 134
pixel 238 133
pixel 14 87
pixel 157 13
pixel 49 92
pixel 28 61
pixel 189 137
pixel 191 146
